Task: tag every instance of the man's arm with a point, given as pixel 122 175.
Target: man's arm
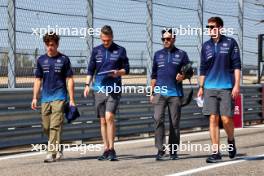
pixel 125 66
pixel 152 86
pixel 70 85
pixel 90 72
pixel 236 88
pixel 36 90
pixel 153 78
pixel 203 70
pixel 236 64
pixel 180 76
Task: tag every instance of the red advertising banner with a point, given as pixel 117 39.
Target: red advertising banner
pixel 238 112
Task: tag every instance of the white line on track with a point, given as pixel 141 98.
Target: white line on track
pixel 200 169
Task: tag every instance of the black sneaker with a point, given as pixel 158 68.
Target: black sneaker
pixel 174 156
pixel 160 155
pixel 104 156
pixel 214 158
pixel 112 155
pixel 232 149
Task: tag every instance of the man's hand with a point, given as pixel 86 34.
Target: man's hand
pixel 86 91
pixel 115 74
pixel 72 103
pixel 34 104
pixel 151 98
pixel 235 92
pixel 200 92
pixel 179 77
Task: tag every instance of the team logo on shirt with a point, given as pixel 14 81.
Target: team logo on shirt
pixel 177 55
pixel 59 61
pixel 161 56
pixel 224 44
pixel 46 61
pixel 115 52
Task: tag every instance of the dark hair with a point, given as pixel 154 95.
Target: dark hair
pixel 217 20
pixel 51 36
pixel 169 30
pixel 107 30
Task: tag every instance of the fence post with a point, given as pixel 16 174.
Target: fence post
pixel 241 31
pixel 11 10
pixel 200 37
pixel 89 39
pixel 149 39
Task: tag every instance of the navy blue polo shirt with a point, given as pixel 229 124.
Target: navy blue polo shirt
pixel 106 59
pixel 166 65
pixel 53 71
pixel 218 62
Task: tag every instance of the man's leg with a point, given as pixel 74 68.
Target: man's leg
pixel 54 127
pixel 214 132
pixel 228 124
pixel 56 122
pixel 45 116
pixel 211 110
pixel 111 107
pixel 100 105
pixel 104 132
pixel 159 118
pixel 110 123
pixel 227 111
pixel 175 115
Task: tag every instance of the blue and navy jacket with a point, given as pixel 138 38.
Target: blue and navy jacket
pixel 53 71
pixel 106 59
pixel 218 62
pixel 166 65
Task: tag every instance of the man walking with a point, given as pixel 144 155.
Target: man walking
pixel 166 83
pixel 53 69
pixel 107 64
pixel 219 84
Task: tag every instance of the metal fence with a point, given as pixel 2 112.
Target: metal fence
pixel 19 125
pixel 136 24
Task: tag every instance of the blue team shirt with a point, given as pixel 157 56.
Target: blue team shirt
pixel 166 65
pixel 218 62
pixel 53 71
pixel 106 59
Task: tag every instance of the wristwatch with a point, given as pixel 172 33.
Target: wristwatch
pixel 201 86
pixel 87 85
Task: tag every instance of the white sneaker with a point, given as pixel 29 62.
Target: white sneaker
pixel 59 155
pixel 50 158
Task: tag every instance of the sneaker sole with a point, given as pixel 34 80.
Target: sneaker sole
pixel 49 161
pixel 211 161
pixel 174 158
pixel 113 159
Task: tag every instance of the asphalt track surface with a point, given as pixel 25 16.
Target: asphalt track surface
pixel 136 157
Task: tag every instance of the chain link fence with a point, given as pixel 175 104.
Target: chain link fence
pixel 136 23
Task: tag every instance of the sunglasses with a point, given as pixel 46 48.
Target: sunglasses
pixel 211 26
pixel 166 39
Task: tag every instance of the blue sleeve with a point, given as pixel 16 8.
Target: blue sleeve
pixel 203 67
pixel 185 59
pixel 38 70
pixel 154 68
pixel 125 62
pixel 235 56
pixel 92 64
pixel 67 68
